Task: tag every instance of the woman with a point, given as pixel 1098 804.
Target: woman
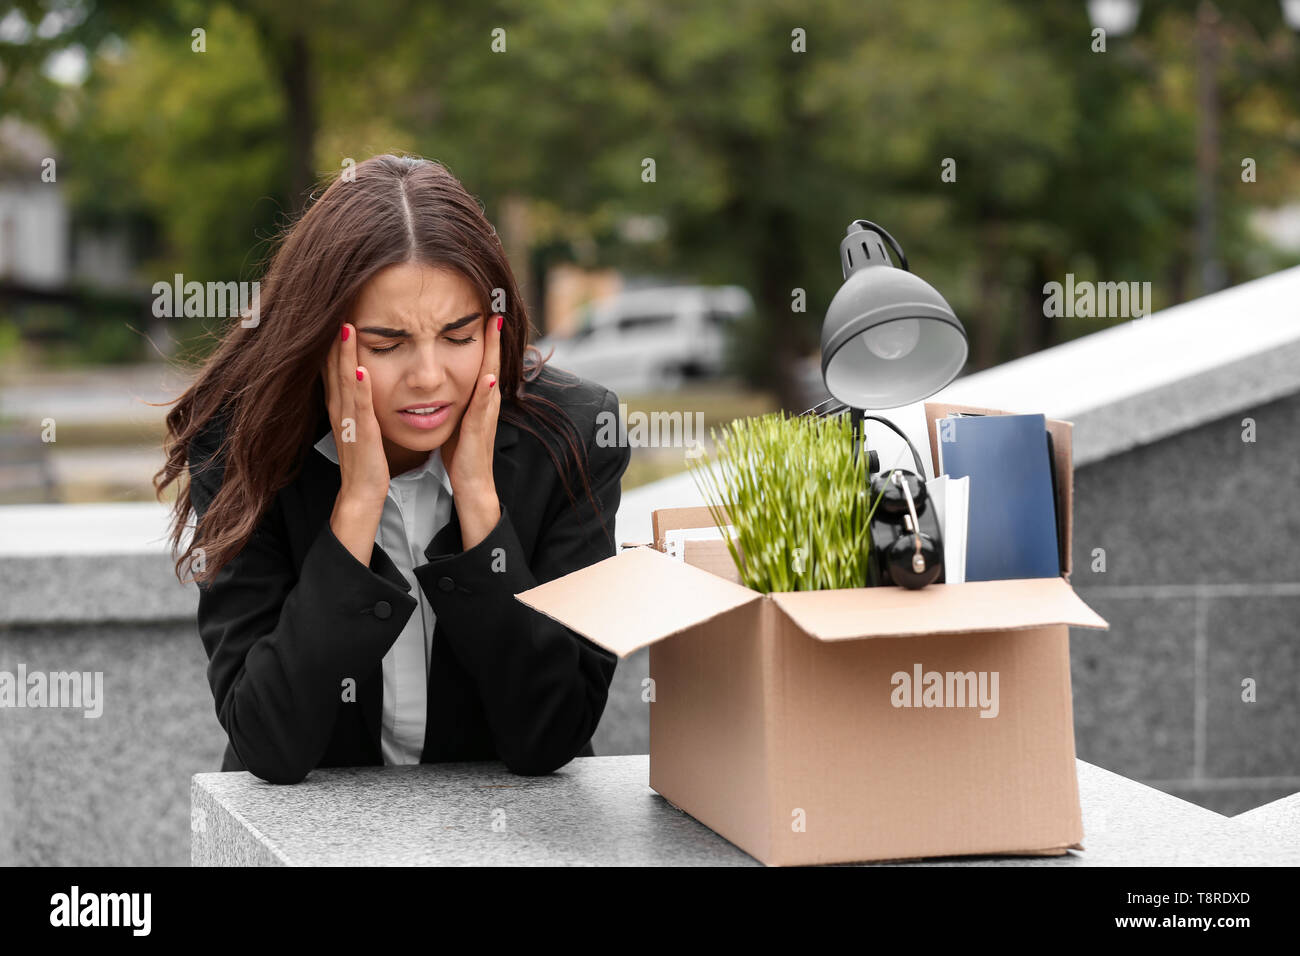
pixel 378 463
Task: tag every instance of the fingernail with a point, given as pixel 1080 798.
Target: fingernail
pixel 345 333
pixel 360 377
pixel 493 383
pixel 501 320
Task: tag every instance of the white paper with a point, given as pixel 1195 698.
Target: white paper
pixel 937 491
pixel 950 498
pixel 957 505
pixel 674 541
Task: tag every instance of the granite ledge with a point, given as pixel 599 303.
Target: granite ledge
pixel 601 811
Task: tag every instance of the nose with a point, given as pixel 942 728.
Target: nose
pixel 425 373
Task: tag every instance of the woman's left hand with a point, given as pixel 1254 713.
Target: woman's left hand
pixel 467 454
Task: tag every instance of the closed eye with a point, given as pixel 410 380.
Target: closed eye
pixel 452 339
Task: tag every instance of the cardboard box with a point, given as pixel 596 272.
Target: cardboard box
pixel 789 723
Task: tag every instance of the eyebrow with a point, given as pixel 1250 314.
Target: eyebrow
pixel 388 333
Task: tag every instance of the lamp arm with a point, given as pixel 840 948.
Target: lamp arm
pixel 884 234
pixel 860 416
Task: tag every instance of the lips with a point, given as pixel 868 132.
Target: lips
pixel 425 416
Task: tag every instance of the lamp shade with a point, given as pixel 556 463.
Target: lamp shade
pixel 889 337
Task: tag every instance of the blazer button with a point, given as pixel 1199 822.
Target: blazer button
pixel 446 584
pixel 383 610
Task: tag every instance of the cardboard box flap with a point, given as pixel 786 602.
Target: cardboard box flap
pixel 852 613
pixel 635 598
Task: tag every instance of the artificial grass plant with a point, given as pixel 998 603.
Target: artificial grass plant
pixel 797 496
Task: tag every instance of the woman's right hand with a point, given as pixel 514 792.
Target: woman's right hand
pixel 362 463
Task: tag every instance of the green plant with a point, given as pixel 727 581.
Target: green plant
pixel 10 340
pixel 797 496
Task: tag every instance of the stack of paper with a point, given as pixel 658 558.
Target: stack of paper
pixel 950 498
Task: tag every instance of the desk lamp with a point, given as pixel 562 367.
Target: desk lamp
pixel 889 339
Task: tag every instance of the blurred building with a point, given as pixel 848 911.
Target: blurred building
pixel 34 220
pixel 41 249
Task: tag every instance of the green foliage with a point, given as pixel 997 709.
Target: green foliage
pixel 96 330
pixel 192 140
pixel 106 343
pixel 797 496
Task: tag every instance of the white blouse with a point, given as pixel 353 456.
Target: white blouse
pixel 418 506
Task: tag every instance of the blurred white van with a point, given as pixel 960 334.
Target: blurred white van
pixel 652 339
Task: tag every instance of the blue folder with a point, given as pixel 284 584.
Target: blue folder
pixel 1011 531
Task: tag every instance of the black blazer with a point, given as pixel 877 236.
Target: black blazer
pixel 295 615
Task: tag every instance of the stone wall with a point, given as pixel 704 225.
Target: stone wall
pixel 1202 591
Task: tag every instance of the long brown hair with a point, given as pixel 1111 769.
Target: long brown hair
pixel 265 380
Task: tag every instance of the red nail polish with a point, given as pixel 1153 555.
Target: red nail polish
pixel 492 384
pixel 359 375
pixel 345 333
pixel 501 320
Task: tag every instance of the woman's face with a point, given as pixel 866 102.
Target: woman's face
pixel 420 338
